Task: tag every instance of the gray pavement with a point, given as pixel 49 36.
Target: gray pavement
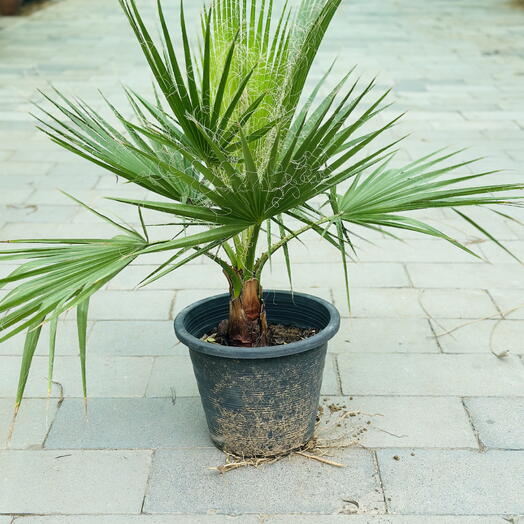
pixel 445 443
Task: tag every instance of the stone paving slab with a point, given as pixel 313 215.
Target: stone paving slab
pixel 396 374
pixel 172 376
pixel 106 376
pixel 499 421
pixel 510 302
pixel 379 302
pixel 132 338
pixel 408 422
pixel 413 250
pixel 467 276
pixel 453 482
pixel 384 335
pixel 410 303
pixel 32 423
pixel 131 305
pixel 129 423
pixel 82 481
pixel 382 519
pixel 181 481
pixel 139 519
pixel 66 341
pixel 494 254
pixel 457 303
pixel 486 336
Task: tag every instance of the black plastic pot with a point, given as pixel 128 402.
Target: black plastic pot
pixel 260 401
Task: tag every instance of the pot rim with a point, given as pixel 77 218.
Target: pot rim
pixel 282 350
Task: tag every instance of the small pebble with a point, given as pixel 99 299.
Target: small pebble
pixel 396 457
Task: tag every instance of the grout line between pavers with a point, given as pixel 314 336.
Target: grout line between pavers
pixel 59 402
pixel 501 314
pixel 172 306
pixel 481 445
pixel 146 389
pixel 437 340
pixel 379 474
pixel 338 378
pixel 410 280
pixel 148 481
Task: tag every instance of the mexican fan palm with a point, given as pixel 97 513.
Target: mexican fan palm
pixel 237 154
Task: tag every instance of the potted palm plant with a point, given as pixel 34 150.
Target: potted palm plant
pixel 244 164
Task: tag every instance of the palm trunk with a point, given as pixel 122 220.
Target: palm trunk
pixel 247 323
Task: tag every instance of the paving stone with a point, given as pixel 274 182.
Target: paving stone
pixel 14 196
pixel 182 481
pixel 133 338
pixel 413 250
pixel 410 374
pixel 32 423
pixel 32 213
pixel 383 519
pixel 143 519
pixel 106 376
pixel 17 230
pixel 494 254
pixel 83 481
pixel 379 302
pixel 466 276
pixel 510 302
pixel 172 376
pixel 66 341
pixel 129 423
pixel 384 335
pixel 457 303
pixel 499 421
pixel 408 422
pixel 452 482
pixel 185 277
pixel 131 305
pixel 24 168
pixel 499 336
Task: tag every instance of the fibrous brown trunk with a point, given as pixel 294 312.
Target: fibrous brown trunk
pixel 247 323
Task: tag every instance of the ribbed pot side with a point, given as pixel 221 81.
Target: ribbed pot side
pixel 260 401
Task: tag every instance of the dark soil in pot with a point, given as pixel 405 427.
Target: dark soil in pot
pixel 260 401
pixel 277 334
